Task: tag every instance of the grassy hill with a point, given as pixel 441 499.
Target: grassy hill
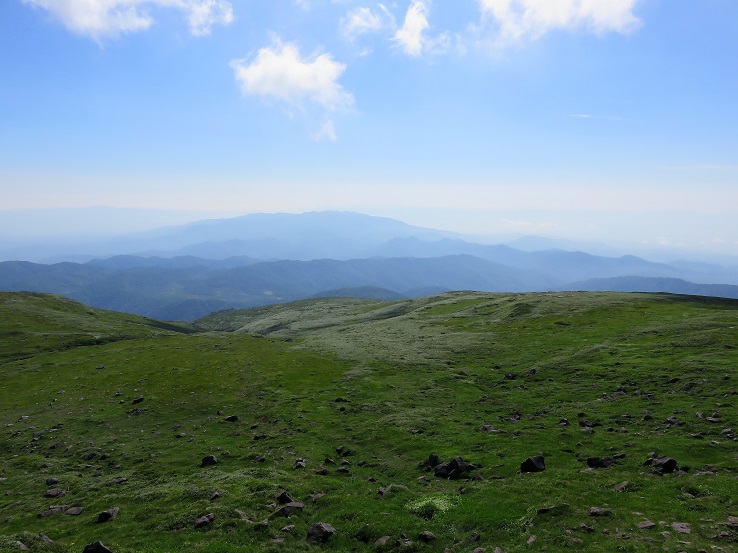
pixel 362 392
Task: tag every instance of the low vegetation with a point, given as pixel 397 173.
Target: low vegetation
pixel 244 430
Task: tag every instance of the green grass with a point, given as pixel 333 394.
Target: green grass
pixel 412 378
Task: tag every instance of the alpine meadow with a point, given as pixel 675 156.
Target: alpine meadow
pixel 365 276
pixel 407 425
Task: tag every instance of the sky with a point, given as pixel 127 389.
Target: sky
pixel 612 120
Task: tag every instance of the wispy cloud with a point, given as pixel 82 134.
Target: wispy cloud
pixel 412 36
pixel 600 117
pixel 99 19
pixel 366 20
pixel 516 20
pixel 327 132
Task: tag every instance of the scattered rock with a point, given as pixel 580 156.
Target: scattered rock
pixel 426 537
pixel 646 524
pixel 137 401
pixel 300 463
pixel 96 547
pixel 289 508
pixel 74 511
pixel 52 481
pixel 533 464
pixel 488 428
pixel 284 498
pixel 231 418
pixel 555 510
pixel 599 512
pixel 215 496
pixel 21 546
pixel 456 469
pixel 108 514
pixel 433 460
pixel 381 542
pixel 622 486
pixel 681 527
pixel 54 493
pixel 205 520
pixel 209 460
pixel 600 462
pixel 50 511
pixel 663 465
pixel 390 488
pixel 287 528
pixel 320 532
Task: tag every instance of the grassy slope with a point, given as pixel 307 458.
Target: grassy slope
pixel 32 322
pixel 419 376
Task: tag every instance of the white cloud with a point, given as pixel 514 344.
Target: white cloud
pixel 518 19
pixel 410 35
pixel 280 72
pixel 203 14
pixel 103 18
pixel 365 20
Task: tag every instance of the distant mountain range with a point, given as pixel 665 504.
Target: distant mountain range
pixel 185 272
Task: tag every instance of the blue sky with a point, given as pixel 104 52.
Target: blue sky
pixel 613 120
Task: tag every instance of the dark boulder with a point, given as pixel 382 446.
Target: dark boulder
pixel 320 532
pixel 284 498
pixel 108 514
pixel 533 464
pixel 441 470
pixel 600 462
pixel 664 465
pixel 209 460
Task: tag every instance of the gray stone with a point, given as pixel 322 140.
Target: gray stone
pixel 108 514
pixel 205 520
pixel 320 532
